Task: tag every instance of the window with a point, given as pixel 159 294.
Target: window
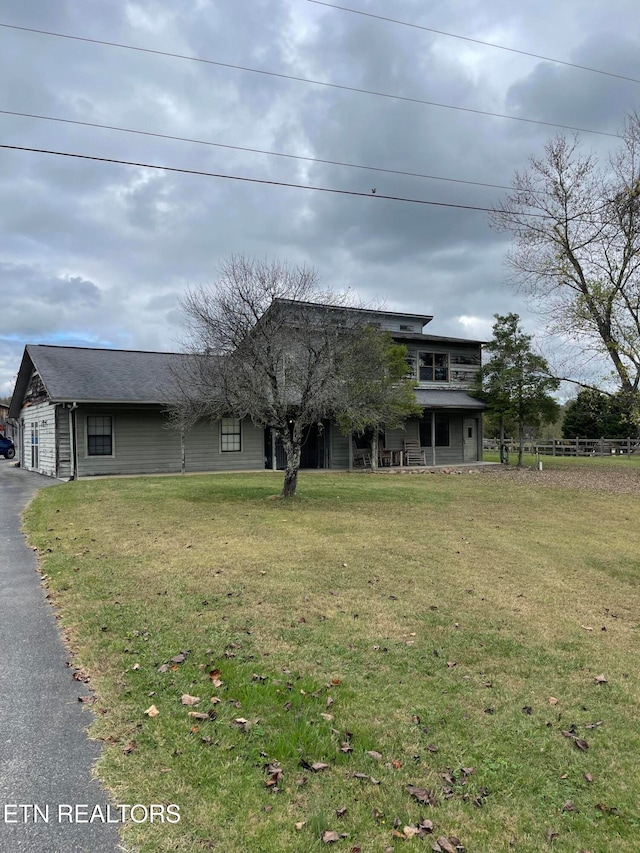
pixel 99 435
pixel 433 367
pixel 230 435
pixel 405 328
pixel 442 430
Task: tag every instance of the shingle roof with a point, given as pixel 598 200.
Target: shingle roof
pixel 444 398
pixel 79 374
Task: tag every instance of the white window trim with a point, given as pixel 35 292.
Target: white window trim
pixel 86 436
pixel 239 420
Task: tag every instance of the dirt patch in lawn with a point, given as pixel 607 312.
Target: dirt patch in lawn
pixel 607 479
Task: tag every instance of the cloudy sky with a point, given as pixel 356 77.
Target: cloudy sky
pixel 98 254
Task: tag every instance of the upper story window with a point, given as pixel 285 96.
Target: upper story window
pixel 433 367
pixel 405 328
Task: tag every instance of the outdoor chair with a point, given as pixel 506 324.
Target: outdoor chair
pixel 413 454
pixel 361 457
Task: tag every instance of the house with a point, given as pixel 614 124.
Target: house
pixel 83 412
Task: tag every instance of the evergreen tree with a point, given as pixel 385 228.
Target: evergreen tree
pixel 515 382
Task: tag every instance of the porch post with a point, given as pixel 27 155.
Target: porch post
pixel 274 461
pixel 433 438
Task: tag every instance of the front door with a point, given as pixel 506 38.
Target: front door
pixel 470 439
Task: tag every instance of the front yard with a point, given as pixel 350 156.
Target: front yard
pixel 377 654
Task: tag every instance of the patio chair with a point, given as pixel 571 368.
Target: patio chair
pixel 413 454
pixel 361 457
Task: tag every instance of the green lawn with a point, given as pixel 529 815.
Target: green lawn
pixel 440 622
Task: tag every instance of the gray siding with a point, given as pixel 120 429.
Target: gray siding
pixel 203 453
pixel 339 456
pixel 63 449
pixel 142 442
pixel 43 417
pixel 461 375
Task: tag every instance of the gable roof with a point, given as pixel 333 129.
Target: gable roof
pixel 85 375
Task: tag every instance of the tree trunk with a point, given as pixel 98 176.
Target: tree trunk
pixel 374 450
pixel 292 443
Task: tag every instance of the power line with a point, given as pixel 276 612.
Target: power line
pixel 476 41
pixel 372 194
pixel 251 150
pixel 338 86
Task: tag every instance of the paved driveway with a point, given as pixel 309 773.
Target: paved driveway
pixel 45 755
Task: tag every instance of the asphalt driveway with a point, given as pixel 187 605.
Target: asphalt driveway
pixel 45 754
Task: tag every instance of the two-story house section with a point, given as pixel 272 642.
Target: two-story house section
pixel 443 369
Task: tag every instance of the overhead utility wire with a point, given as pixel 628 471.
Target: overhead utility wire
pixel 476 41
pixel 252 150
pixel 252 180
pixel 307 80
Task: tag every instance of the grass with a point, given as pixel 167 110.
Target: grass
pixel 624 462
pixel 428 618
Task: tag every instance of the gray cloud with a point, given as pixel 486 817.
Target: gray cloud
pixel 100 254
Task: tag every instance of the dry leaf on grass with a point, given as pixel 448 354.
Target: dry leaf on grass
pixel 185 699
pixel 152 711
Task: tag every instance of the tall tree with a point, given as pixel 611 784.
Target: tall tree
pixel 377 393
pixel 576 230
pixel 596 415
pixel 515 382
pixel 265 343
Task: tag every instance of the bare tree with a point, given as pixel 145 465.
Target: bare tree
pixel 265 343
pixel 576 230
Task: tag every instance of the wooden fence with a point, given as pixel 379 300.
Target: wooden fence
pixel 569 446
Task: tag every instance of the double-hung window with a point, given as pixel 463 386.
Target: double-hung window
pixel 230 435
pixel 433 367
pixel 99 435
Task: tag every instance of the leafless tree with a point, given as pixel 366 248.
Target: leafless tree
pixel 576 230
pixel 264 342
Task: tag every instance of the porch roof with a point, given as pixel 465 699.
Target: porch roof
pixel 443 398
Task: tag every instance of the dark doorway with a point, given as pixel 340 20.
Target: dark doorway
pixel 315 448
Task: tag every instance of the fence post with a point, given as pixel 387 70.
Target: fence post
pixel 601 445
pixel 629 446
pixel 553 447
pixel 577 447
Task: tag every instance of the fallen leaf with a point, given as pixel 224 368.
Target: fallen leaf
pixel 586 627
pixel 180 658
pixel 152 711
pixel 300 824
pixel 129 748
pixel 445 845
pixel 327 717
pixel 396 764
pixel 588 777
pixel 198 715
pixel 329 836
pixel 410 831
pixel 568 806
pixel 451 664
pixel 600 679
pixel 551 835
pixel 375 755
pixel 189 700
pixel 552 700
pixel 341 812
pixel 422 795
pixel 581 744
pixel 318 766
